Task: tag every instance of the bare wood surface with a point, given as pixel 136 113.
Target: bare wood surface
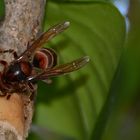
pixel 21 25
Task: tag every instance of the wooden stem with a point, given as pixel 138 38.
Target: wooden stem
pixel 21 25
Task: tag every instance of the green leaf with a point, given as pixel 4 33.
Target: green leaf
pixel 124 115
pixel 43 133
pixel 79 1
pixel 2 9
pixel 71 104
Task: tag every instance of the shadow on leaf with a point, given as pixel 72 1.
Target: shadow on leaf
pixel 50 92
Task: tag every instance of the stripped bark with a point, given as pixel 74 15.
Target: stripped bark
pixel 21 25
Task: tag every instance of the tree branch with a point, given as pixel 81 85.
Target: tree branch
pixel 21 25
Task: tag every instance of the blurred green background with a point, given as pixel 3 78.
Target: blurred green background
pixel 101 100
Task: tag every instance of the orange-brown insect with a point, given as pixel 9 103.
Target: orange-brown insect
pixel 35 63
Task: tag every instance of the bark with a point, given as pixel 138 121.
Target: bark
pixel 21 25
